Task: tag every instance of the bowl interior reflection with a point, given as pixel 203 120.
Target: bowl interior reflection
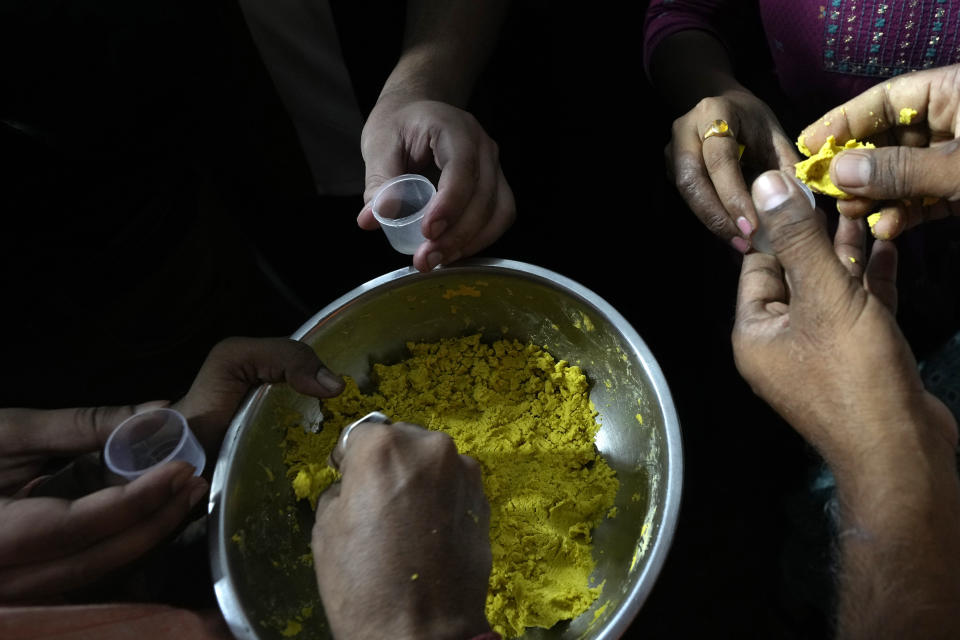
pixel 260 534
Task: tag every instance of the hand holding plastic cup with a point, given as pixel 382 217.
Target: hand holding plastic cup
pixel 151 438
pixel 399 206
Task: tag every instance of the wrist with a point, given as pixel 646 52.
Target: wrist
pixel 422 73
pixel 902 459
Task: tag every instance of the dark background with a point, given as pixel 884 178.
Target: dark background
pixel 581 135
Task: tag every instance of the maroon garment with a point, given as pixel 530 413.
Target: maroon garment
pixel 825 51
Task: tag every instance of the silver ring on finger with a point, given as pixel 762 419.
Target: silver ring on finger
pixel 374 417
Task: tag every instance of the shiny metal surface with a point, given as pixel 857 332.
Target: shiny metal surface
pixel 258 532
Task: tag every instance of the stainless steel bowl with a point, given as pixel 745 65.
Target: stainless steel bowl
pixel 259 533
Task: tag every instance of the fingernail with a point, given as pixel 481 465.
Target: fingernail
pixel 744 225
pixel 437 228
pixel 852 169
pixel 740 244
pixel 198 492
pixel 770 191
pixel 433 259
pixel 331 383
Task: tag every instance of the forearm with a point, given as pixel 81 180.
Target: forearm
pixel 691 65
pixel 899 542
pixel 446 45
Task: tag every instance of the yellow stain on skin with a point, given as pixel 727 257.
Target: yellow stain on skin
pixel 906 115
pixel 872 219
pixel 853 260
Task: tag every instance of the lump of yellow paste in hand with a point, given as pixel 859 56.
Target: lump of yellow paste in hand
pixel 527 419
pixel 906 115
pixel 815 170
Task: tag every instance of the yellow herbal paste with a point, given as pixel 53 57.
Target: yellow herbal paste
pixel 815 170
pixel 528 420
pixel 906 115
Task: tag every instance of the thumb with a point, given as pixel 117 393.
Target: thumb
pixel 797 237
pixel 236 365
pixel 891 173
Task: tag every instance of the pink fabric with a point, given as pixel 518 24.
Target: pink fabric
pixel 826 51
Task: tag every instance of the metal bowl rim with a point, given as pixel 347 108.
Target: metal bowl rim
pixel 224 588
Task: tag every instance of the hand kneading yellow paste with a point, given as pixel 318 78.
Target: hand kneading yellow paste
pixel 528 420
pixel 815 170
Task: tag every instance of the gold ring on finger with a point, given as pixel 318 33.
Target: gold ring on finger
pixel 718 128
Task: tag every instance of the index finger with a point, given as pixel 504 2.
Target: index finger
pixel 63 431
pixel 905 100
pixel 63 527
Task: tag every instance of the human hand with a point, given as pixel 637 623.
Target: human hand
pixel 91 530
pixel 474 204
pixel 32 439
pixel 236 365
pixel 401 545
pixel 912 176
pixel 708 172
pixel 50 546
pixel 815 337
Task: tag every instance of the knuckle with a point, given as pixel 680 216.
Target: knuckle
pixel 718 162
pixel 706 104
pixel 716 222
pixel 793 232
pixel 895 171
pixel 678 125
pixel 441 444
pixel 689 174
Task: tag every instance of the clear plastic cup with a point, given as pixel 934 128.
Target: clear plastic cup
pixel 150 438
pixel 399 207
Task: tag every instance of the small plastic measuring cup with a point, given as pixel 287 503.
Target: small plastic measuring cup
pixel 399 207
pixel 150 438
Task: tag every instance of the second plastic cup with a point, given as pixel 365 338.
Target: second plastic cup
pixel 399 207
pixel 150 438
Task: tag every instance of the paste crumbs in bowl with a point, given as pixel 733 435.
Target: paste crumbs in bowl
pixel 528 420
